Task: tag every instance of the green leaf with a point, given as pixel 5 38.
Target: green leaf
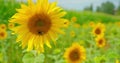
pixel 28 58
pixel 40 58
pixel 57 51
pixel 60 61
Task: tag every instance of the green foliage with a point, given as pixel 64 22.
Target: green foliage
pixel 10 50
pixel 107 7
pixel 32 57
pixel 86 16
pixel 98 9
pixel 118 10
pixel 7 9
pixel 89 8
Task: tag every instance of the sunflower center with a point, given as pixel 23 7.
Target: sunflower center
pixel 2 34
pixel 97 31
pixel 100 41
pixel 39 24
pixel 11 25
pixel 74 55
pixel 3 27
pixel 65 22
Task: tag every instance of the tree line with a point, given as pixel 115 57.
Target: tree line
pixel 106 7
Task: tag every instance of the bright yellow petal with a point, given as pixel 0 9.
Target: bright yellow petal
pixel 47 41
pixel 30 43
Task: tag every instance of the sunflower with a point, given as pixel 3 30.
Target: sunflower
pixel 76 25
pixel 100 41
pixel 99 29
pixel 84 26
pixel 117 61
pixel 72 34
pixel 66 23
pixel 117 23
pixel 39 23
pixel 11 25
pixel 74 19
pixel 3 34
pixel 92 24
pixel 75 54
pixel 2 27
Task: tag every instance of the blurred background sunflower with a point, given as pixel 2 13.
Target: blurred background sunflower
pixel 75 54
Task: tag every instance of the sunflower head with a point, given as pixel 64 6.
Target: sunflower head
pixel 118 23
pixel 66 23
pixel 100 41
pixel 39 23
pixel 72 34
pixel 75 54
pixel 117 61
pixel 2 27
pixel 84 26
pixel 11 25
pixel 92 24
pixel 74 19
pixel 99 29
pixel 77 25
pixel 3 34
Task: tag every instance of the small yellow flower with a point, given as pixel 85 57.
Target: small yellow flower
pixel 11 25
pixel 66 23
pixel 84 25
pixel 100 41
pixel 77 25
pixel 92 24
pixel 2 27
pixel 99 29
pixel 72 34
pixel 117 61
pixel 117 23
pixel 74 19
pixel 3 34
pixel 75 54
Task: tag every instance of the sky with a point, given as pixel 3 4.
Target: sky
pixel 81 4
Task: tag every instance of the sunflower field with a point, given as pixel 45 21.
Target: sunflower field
pixel 43 32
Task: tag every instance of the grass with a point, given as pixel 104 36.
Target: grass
pixel 87 16
pixel 7 9
pixel 11 52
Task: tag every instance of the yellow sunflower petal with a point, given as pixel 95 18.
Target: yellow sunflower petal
pixel 30 43
pixel 47 41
